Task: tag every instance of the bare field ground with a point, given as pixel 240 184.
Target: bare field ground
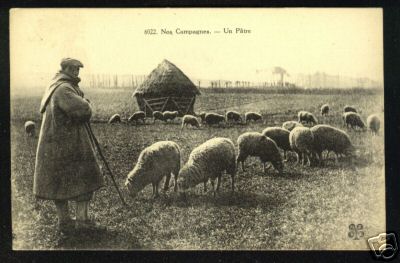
pixel 305 208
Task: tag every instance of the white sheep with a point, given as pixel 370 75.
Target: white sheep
pixel 257 145
pixel 307 117
pixel 156 161
pixel 190 120
pixel 30 128
pixel 252 116
pixel 290 125
pixel 332 139
pixel 324 109
pixel 115 118
pixel 302 142
pixel 207 162
pixel 280 136
pixel 170 115
pixel 374 123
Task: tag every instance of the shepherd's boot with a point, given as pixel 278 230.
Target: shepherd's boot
pixel 65 223
pixel 83 223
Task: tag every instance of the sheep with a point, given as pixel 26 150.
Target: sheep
pixel 214 118
pixel 290 125
pixel 333 139
pixel 156 161
pixel 353 120
pixel 190 119
pixel 170 115
pixel 280 136
pixel 208 161
pixel 158 115
pixel 233 116
pixel 139 115
pixel 301 141
pixel 252 116
pixel 348 108
pixel 258 145
pixel 324 109
pixel 30 128
pixel 307 117
pixel 202 116
pixel 114 119
pixel 374 123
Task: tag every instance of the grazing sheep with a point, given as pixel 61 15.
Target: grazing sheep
pixel 190 120
pixel 214 118
pixel 258 145
pixel 353 120
pixel 30 128
pixel 115 118
pixel 170 115
pixel 252 116
pixel 301 141
pixel 139 115
pixel 348 108
pixel 307 117
pixel 331 139
pixel 280 136
pixel 290 125
pixel 374 123
pixel 208 161
pixel 158 115
pixel 156 161
pixel 233 116
pixel 324 109
pixel 202 116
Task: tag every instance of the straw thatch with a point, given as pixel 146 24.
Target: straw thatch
pixel 167 88
pixel 167 80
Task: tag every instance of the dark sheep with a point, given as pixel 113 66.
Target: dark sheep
pixel 348 108
pixel 280 136
pixel 233 116
pixel 30 128
pixel 324 109
pixel 353 120
pixel 139 115
pixel 158 115
pixel 252 116
pixel 190 120
pixel 214 118
pixel 307 117
pixel 115 119
pixel 202 116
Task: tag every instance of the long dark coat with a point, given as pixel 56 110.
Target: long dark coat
pixel 66 165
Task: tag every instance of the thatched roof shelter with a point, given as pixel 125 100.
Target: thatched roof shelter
pixel 167 80
pixel 166 88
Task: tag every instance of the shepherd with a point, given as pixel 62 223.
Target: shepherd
pixel 66 168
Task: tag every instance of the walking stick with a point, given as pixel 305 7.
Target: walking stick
pixel 93 138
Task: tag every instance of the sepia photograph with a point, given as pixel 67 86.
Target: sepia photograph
pixel 198 129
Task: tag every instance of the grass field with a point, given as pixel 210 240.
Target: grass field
pixel 304 208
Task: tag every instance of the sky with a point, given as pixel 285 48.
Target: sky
pixel 112 41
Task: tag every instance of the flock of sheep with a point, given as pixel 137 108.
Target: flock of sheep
pixel 209 160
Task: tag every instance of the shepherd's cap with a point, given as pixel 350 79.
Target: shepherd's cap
pixel 71 62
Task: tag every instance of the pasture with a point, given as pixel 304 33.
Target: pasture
pixel 304 208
